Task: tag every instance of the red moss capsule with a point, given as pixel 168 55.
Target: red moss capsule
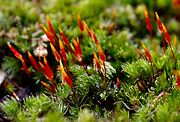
pixel 65 77
pixel 148 22
pixel 55 53
pixel 77 46
pixel 87 29
pixel 95 38
pixel 160 28
pixel 97 62
pixel 50 26
pixel 148 55
pixel 48 34
pixel 62 50
pixel 33 61
pixel 65 39
pixel 25 68
pixel 47 70
pixel 80 24
pixel 101 53
pixel 78 56
pixel 166 34
pixel 16 53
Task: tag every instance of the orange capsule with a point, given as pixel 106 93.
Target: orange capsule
pixel 166 34
pixel 101 53
pixel 16 53
pixel 33 61
pixel 65 39
pixel 160 28
pixel 55 53
pixel 50 26
pixel 80 24
pixel 87 29
pixel 148 55
pixel 148 22
pixel 48 34
pixel 62 50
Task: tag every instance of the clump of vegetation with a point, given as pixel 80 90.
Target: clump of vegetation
pixel 87 70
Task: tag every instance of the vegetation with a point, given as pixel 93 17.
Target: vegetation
pixel 89 60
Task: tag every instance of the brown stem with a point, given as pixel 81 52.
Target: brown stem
pixel 104 71
pixel 53 87
pixel 73 59
pixel 153 77
pixel 164 43
pixel 172 51
pixel 82 64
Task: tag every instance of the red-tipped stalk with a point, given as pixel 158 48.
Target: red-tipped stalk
pixel 16 53
pixel 103 59
pixel 101 54
pixel 47 70
pixel 78 56
pixel 149 58
pixel 148 22
pixel 65 39
pixel 33 61
pixel 66 42
pixel 48 34
pixel 25 68
pixel 168 38
pixel 95 38
pixel 148 55
pixel 62 50
pixel 65 77
pixel 87 29
pixel 80 23
pixel 48 73
pixel 77 46
pixel 55 53
pixel 97 62
pixel 160 28
pixel 50 26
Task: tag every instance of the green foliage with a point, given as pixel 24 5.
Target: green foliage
pixel 11 66
pixel 36 106
pixel 55 117
pixel 86 116
pixel 139 69
pixel 10 107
